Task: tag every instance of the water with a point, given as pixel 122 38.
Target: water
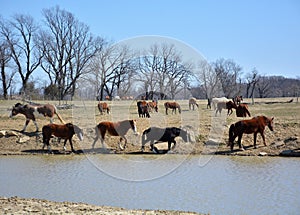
pixel 222 185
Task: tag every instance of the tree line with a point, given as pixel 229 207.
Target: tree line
pixel 78 63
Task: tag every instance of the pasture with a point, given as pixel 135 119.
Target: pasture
pixel 209 131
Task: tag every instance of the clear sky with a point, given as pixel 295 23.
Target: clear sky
pixel 264 34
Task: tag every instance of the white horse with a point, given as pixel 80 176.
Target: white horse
pixel 215 101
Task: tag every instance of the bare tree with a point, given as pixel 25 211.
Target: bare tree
pixel 263 87
pixel 19 34
pixel 207 77
pixel 228 73
pixel 251 81
pixel 68 47
pixel 109 69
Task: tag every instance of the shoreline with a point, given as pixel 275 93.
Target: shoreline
pixel 19 205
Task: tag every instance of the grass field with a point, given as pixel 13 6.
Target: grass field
pixel 202 123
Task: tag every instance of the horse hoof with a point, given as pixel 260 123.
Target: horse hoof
pixel 242 149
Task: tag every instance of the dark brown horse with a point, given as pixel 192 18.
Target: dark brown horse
pixel 65 132
pixel 254 125
pixel 155 135
pixel 102 107
pixel 192 103
pixel 242 110
pixel 114 129
pixel 173 106
pixel 226 105
pixel 143 109
pixel 30 112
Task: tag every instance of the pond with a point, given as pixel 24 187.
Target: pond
pixel 205 184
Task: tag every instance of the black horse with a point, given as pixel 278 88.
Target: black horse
pixel 156 135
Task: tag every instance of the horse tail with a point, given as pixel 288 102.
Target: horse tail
pixel 60 119
pixel 247 112
pixel 231 134
pixel 58 116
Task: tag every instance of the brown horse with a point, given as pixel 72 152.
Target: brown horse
pixel 242 110
pixel 254 125
pixel 30 111
pixel 102 107
pixel 226 105
pixel 192 103
pixel 114 129
pixel 65 132
pixel 153 105
pixel 173 106
pixel 237 100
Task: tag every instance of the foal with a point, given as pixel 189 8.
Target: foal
pixel 254 125
pixel 192 103
pixel 115 129
pixel 102 107
pixel 65 132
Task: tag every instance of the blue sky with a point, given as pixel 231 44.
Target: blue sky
pixel 260 34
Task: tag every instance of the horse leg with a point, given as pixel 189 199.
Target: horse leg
pixel 71 144
pixel 254 137
pixel 169 144
pixel 65 144
pixel 120 143
pixel 240 142
pixel 36 125
pixel 25 126
pixel 263 137
pixel 166 111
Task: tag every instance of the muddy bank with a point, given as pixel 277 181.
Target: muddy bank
pixel 17 205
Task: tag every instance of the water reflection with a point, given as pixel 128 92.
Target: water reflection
pixel 225 185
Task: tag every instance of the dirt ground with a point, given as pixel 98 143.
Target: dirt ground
pixel 16 205
pixel 209 132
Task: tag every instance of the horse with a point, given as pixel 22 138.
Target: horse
pixel 237 100
pixel 242 110
pixel 102 107
pixel 192 103
pixel 29 111
pixel 156 135
pixel 114 129
pixel 226 105
pixel 143 109
pixel 153 105
pixel 173 106
pixel 255 125
pixel 65 132
pixel 215 101
pixel 208 103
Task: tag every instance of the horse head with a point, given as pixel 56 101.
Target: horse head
pixel 133 126
pixel 271 124
pixel 15 109
pixel 79 132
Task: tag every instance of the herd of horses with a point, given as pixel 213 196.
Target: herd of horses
pixel 153 135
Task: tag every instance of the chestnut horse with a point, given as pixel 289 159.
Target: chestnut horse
pixel 255 125
pixel 114 129
pixel 192 103
pixel 237 100
pixel 173 106
pixel 156 135
pixel 153 105
pixel 242 110
pixel 102 107
pixel 31 110
pixel 65 132
pixel 226 105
